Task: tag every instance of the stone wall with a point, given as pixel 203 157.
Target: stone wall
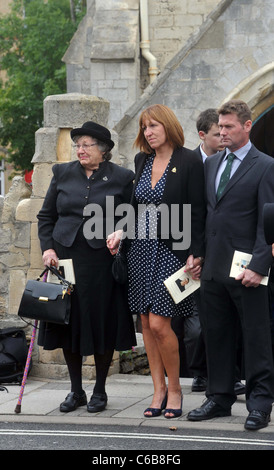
pixel 101 59
pixel 14 251
pixel 173 22
pixel 206 51
pixel 135 361
pixel 105 59
pixel 230 56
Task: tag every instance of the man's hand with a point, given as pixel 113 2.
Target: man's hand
pixel 249 278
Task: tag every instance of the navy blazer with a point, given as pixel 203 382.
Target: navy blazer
pixel 184 185
pixel 197 152
pixel 70 192
pixel 235 222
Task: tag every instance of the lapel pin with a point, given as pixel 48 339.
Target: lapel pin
pixel 174 170
pixel 105 178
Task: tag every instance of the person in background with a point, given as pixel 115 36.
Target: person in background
pixel 239 181
pixel 209 133
pixel 100 320
pixel 170 175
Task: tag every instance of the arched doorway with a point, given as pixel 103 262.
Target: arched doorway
pixel 262 132
pixel 257 90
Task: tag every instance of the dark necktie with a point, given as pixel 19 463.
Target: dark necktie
pixel 225 176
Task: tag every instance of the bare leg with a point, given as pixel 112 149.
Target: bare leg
pixel 163 355
pixel 155 363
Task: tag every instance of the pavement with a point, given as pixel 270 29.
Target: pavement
pixel 128 396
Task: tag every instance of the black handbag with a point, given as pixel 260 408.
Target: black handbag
pixel 119 265
pixel 47 301
pixel 13 354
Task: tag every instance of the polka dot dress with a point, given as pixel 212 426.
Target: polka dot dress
pixel 150 262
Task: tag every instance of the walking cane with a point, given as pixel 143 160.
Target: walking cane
pixel 26 370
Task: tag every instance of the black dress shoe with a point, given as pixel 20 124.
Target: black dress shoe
pixel 98 402
pixel 199 384
pixel 257 420
pixel 208 410
pixel 239 388
pixel 72 401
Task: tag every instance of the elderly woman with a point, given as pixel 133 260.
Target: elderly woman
pixel 168 175
pixel 100 320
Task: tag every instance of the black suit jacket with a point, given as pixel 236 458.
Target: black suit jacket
pixel 197 152
pixel 235 222
pixel 68 196
pixel 184 185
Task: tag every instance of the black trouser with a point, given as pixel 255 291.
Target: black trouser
pixel 223 305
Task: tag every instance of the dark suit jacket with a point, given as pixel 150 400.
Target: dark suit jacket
pixel 69 193
pixel 184 185
pixel 235 222
pixel 197 152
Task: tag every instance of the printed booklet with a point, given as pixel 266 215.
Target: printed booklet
pixel 180 285
pixel 65 268
pixel 240 262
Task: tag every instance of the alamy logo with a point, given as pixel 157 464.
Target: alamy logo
pixel 147 222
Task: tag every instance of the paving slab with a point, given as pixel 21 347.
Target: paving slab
pixel 128 396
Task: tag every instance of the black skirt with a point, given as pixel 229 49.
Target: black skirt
pixel 100 317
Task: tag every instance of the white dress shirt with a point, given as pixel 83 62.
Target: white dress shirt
pixel 239 154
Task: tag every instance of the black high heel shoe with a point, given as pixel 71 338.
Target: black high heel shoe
pixel 175 412
pixel 156 411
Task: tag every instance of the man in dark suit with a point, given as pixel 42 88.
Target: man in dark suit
pixel 211 143
pixel 235 222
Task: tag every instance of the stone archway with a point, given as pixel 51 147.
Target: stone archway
pixel 262 134
pixel 258 92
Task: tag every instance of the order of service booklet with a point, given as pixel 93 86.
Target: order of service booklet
pixel 65 267
pixel 240 262
pixel 180 285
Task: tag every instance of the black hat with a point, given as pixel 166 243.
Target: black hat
pixel 96 131
pixel 268 220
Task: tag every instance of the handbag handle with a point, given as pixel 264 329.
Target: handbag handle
pixel 119 246
pixel 56 273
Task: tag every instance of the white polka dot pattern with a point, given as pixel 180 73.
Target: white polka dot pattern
pixel 150 261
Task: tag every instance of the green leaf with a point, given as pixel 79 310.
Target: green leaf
pixel 34 37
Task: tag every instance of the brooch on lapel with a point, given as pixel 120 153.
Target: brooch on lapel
pixel 174 169
pixel 105 178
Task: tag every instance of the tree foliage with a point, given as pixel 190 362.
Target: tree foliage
pixel 34 37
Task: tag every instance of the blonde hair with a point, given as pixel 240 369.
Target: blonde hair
pixel 166 117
